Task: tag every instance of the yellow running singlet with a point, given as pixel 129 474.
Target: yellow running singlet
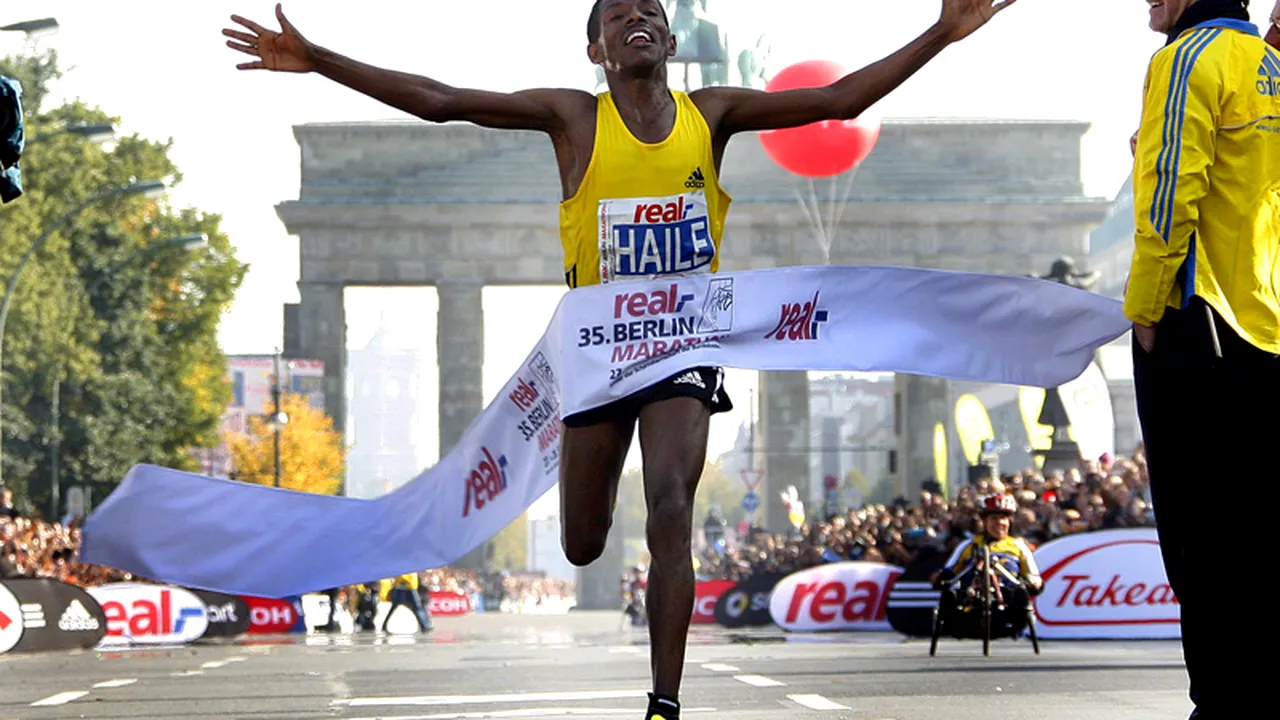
pixel 645 210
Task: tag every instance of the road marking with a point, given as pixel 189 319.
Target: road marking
pixel 817 702
pixel 719 667
pixel 61 698
pixel 481 699
pixel 116 683
pixel 237 658
pixel 758 681
pixel 214 665
pixel 526 713
pixel 186 673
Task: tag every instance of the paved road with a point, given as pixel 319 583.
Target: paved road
pixel 586 665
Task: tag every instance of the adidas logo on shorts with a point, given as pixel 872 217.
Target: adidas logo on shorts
pixel 690 378
pixel 76 618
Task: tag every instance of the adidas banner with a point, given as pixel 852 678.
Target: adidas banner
pixel 55 616
pixel 604 342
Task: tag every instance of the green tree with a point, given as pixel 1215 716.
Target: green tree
pixel 110 351
pixel 715 488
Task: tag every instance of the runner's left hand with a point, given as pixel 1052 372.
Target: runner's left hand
pixel 960 18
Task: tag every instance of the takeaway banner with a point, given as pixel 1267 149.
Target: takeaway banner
pixel 275 616
pixel 912 597
pixel 56 616
pixel 11 625
pixel 705 595
pixel 747 603
pixel 1108 585
pixel 837 596
pixel 604 342
pixel 140 614
pixel 228 614
pixel 449 603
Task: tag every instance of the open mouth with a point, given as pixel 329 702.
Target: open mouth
pixel 1156 4
pixel 639 36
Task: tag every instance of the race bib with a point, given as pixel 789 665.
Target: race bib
pixel 645 238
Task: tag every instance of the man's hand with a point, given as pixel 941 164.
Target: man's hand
pixel 1133 145
pixel 1146 336
pixel 960 18
pixel 285 51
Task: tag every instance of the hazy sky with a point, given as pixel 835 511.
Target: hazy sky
pixel 163 68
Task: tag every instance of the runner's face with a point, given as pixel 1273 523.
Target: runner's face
pixel 1165 13
pixel 634 35
pixel 997 526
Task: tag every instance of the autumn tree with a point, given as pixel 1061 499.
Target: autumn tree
pixel 111 355
pixel 312 457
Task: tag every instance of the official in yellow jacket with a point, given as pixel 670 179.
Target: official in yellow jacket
pixel 1204 296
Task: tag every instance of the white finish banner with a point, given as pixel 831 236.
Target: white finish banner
pixel 604 342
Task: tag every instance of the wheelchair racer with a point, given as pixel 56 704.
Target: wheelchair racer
pixel 1011 558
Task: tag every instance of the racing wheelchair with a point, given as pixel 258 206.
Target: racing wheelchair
pixel 985 607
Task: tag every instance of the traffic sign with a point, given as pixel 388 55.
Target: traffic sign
pixel 750 502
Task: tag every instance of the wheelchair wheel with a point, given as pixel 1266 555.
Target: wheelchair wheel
pixel 937 631
pixel 986 601
pixel 1031 628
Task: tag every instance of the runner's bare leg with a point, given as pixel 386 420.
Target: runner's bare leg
pixel 591 460
pixel 673 440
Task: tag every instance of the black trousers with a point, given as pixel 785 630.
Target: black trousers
pixel 1211 426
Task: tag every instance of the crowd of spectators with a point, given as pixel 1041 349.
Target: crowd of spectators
pixel 1107 494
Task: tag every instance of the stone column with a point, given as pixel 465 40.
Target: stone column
pixel 322 335
pixel 460 354
pixel 784 420
pixel 921 403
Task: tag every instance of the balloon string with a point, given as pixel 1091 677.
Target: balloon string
pixel 824 240
pixel 817 224
pixel 848 191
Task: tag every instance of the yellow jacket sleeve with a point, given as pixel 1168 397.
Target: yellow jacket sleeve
pixel 1176 141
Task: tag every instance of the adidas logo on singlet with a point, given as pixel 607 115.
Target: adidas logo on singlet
pixel 696 180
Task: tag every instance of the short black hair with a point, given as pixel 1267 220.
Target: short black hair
pixel 593 20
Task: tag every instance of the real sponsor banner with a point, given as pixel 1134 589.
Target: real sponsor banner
pixel 228 614
pixel 56 616
pixel 837 596
pixel 275 616
pixel 705 595
pixel 141 614
pixel 747 603
pixel 10 620
pixel 912 597
pixel 612 340
pixel 449 603
pixel 1108 584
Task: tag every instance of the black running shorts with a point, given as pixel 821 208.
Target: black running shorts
pixel 703 383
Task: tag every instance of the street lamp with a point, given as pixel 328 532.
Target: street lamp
pixel 148 188
pixel 31 27
pixel 278 419
pixel 188 242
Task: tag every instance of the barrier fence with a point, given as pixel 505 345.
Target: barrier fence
pixel 1108 584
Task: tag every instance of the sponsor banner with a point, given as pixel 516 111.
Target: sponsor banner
pixel 10 620
pixel 141 614
pixel 747 603
pixel 705 595
pixel 611 340
pixel 1108 584
pixel 449 603
pixel 912 597
pixel 272 616
pixel 228 614
pixel 838 596
pixel 56 616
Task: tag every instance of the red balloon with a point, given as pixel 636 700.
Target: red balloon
pixel 821 149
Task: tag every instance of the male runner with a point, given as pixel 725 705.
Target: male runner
pixel 640 142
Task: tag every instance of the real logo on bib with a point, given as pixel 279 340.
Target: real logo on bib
pixel 652 237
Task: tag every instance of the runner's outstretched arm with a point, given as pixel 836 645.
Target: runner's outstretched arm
pixel 736 110
pixel 289 51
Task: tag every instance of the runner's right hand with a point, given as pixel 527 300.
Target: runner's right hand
pixel 285 51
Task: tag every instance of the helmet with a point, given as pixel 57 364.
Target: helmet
pixel 998 505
